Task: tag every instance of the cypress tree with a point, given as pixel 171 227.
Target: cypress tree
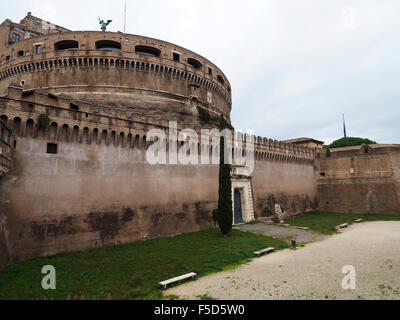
pixel 224 212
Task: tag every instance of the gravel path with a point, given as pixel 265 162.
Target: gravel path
pixel 287 233
pixel 314 271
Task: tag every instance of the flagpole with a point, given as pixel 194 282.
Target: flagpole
pixel 125 18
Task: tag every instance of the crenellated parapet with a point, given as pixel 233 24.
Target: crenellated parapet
pixel 80 121
pixel 273 150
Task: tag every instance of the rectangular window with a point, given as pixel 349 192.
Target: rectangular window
pixel 73 107
pixel 210 71
pixel 16 37
pixel 177 56
pixel 52 148
pixel 35 25
pixel 37 49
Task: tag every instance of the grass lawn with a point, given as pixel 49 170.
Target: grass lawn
pixel 132 271
pixel 326 223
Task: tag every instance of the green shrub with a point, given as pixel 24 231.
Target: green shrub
pixel 43 121
pixel 349 142
pixel 204 115
pixel 328 152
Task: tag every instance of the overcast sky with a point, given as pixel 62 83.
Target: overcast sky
pixel 295 66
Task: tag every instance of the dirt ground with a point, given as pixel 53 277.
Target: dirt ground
pixel 280 232
pixel 314 271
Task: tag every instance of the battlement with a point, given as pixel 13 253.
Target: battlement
pixel 372 149
pixel 79 121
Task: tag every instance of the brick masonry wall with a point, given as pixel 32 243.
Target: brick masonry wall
pixel 88 196
pixel 353 181
pixel 99 189
pixel 290 185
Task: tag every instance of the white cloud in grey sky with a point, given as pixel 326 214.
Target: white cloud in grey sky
pixel 294 65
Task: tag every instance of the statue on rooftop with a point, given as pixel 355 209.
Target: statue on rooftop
pixel 104 24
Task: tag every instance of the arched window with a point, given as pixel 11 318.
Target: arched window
pixel 108 45
pixel 130 137
pixel 75 134
pixel 66 45
pixel 16 125
pixel 85 137
pixel 148 51
pixel 53 131
pixel 29 128
pixel 104 137
pixel 64 133
pixel 95 135
pixel 220 79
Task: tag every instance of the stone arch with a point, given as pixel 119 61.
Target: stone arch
pixel 104 137
pixel 95 136
pixel 130 140
pixel 53 131
pixel 17 125
pixel 113 139
pixel 121 140
pixel 4 118
pixel 85 136
pixel 29 128
pixel 75 134
pixel 64 133
pixel 137 141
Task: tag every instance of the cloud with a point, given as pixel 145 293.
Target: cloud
pixel 294 66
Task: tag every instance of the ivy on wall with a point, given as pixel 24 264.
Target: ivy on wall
pixel 43 121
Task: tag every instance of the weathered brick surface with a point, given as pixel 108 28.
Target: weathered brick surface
pixel 353 181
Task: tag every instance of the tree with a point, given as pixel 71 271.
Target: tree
pixel 349 142
pixel 224 212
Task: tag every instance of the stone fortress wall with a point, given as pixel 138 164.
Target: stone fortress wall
pixel 98 188
pixel 359 180
pixel 121 71
pixel 84 181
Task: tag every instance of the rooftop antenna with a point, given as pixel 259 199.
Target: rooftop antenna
pixel 125 18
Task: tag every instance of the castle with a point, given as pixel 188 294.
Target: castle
pixel 83 181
